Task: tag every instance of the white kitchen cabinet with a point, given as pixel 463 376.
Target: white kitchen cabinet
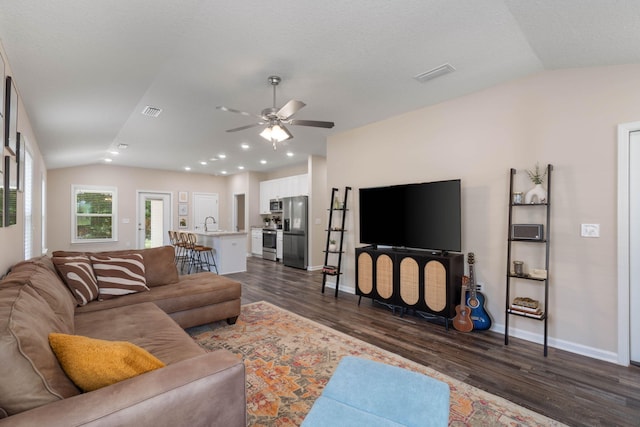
pixel 297 185
pixel 229 249
pixel 300 185
pixel 279 242
pixel 264 197
pixel 256 241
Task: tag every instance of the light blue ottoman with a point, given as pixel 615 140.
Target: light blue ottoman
pixel 362 392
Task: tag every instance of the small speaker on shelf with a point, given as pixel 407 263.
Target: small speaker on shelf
pixel 527 232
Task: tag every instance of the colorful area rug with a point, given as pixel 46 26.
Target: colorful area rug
pixel 289 360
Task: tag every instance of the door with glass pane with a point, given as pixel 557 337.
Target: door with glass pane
pixel 154 219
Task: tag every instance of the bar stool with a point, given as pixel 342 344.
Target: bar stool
pixel 201 256
pixel 182 240
pixel 178 246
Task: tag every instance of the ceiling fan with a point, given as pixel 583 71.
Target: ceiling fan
pixel 275 118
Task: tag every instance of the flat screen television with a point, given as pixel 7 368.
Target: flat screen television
pixel 419 216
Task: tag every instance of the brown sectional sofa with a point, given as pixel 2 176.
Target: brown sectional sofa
pixel 195 388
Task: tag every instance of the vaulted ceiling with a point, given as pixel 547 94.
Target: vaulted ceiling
pixel 86 70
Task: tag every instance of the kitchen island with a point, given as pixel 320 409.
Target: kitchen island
pixel 229 249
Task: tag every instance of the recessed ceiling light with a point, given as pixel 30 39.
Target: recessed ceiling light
pixel 114 153
pixel 203 163
pixel 289 154
pixel 245 146
pixel 222 156
pixel 187 168
pixel 223 172
pixel 108 160
pixel 123 146
pixel 264 162
pixel 240 167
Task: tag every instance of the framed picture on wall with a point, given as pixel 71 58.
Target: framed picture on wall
pixel 183 196
pixel 11 119
pixel 182 222
pixel 183 209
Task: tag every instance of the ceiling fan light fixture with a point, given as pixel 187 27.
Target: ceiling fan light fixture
pixel 276 133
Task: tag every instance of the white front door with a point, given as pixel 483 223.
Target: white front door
pixel 205 207
pixel 154 219
pixel 634 246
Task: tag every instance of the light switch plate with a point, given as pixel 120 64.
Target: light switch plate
pixel 590 230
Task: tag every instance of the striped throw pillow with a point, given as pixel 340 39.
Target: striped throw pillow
pixel 77 274
pixel 119 275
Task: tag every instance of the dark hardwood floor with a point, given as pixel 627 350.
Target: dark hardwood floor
pixel 570 388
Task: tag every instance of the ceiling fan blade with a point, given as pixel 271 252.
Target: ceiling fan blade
pixel 233 110
pixel 289 109
pixel 313 123
pixel 245 127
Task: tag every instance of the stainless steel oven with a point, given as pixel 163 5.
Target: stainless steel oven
pixel 269 238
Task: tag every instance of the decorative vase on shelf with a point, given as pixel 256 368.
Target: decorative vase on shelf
pixel 536 195
pixel 332 247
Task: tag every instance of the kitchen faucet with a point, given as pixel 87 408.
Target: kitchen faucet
pixel 205 222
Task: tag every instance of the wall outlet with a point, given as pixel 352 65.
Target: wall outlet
pixel 590 230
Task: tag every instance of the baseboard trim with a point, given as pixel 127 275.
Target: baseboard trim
pixel 343 288
pixel 572 347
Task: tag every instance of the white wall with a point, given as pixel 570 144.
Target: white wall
pixel 297 169
pixel 318 215
pixel 12 238
pixel 127 180
pixel 567 118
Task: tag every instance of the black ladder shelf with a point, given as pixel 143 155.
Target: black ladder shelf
pixel 544 241
pixel 337 234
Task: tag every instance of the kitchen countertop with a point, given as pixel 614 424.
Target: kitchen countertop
pixel 219 233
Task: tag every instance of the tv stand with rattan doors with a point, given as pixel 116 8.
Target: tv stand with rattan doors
pixel 428 283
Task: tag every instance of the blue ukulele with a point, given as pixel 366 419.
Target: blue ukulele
pixel 475 300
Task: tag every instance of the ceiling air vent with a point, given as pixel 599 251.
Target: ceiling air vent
pixel 435 72
pixel 151 111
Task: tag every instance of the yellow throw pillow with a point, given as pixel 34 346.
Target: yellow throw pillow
pixel 92 363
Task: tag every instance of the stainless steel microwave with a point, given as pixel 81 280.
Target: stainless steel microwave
pixel 275 205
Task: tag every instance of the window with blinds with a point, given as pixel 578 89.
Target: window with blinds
pixel 28 205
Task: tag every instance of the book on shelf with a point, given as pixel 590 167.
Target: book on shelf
pixel 524 308
pixel 330 269
pixel 526 311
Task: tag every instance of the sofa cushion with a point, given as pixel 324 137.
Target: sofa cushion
pixel 30 375
pixel 77 273
pixel 92 363
pixel 41 275
pixel 192 291
pixel 159 263
pixel 119 275
pixel 144 325
pixel 160 266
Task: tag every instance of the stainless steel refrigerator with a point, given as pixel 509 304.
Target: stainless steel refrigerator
pixel 295 231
